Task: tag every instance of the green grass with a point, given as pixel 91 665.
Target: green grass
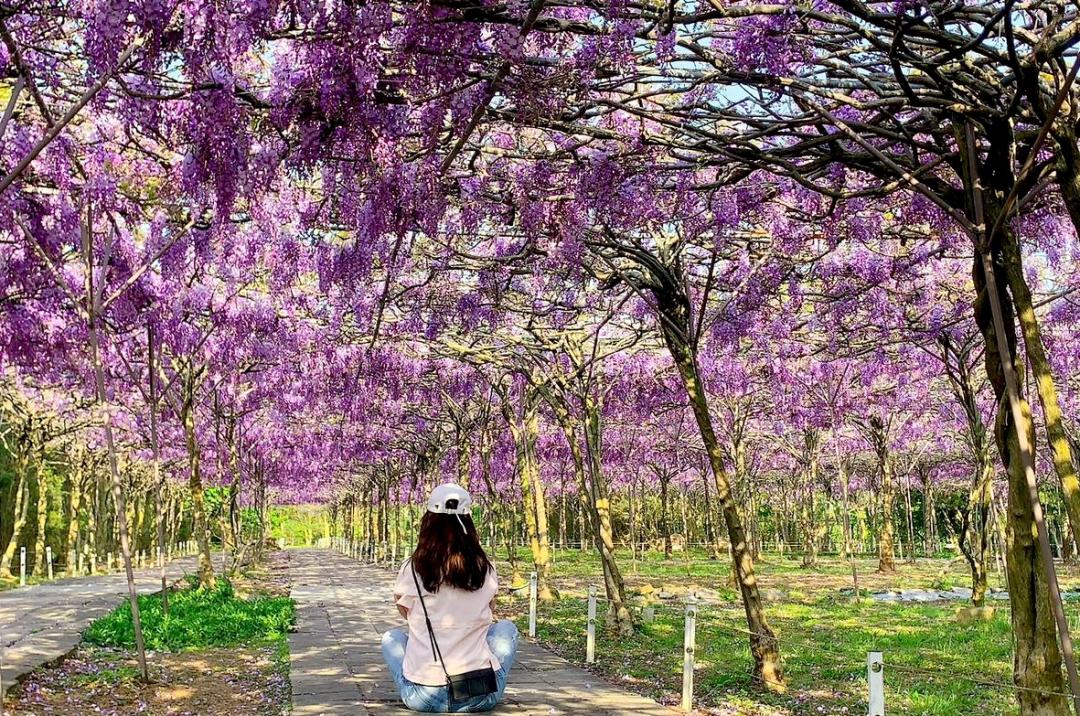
pixel 775 571
pixel 934 666
pixel 197 619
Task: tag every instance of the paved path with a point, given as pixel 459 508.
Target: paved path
pixel 43 622
pixel 343 608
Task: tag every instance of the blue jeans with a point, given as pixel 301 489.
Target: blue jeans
pixel 502 639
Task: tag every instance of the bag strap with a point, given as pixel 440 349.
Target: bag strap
pixel 436 653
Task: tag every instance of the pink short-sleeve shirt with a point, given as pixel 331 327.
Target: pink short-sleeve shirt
pixel 460 620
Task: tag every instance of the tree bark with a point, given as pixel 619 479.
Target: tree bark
pixel 195 486
pixel 764 647
pixel 879 440
pixel 22 508
pixel 525 431
pixel 1037 663
pixel 600 501
pixel 1060 449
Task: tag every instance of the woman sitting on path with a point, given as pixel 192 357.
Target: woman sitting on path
pixel 450 658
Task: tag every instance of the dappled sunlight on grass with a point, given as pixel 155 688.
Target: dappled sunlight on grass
pixel 939 664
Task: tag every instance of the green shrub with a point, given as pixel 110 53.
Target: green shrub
pixel 197 618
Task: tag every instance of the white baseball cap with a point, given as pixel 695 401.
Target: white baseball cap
pixel 450 499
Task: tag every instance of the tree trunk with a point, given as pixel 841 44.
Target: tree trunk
pixel 979 506
pixel 1037 665
pixel 93 310
pixel 600 501
pixel 849 535
pixel 525 430
pixel 808 509
pixel 195 486
pixel 71 518
pixel 235 526
pixel 22 508
pixel 742 480
pixel 910 519
pixel 879 440
pixel 1044 380
pixel 665 519
pixel 42 518
pixel 763 643
pixel 1036 658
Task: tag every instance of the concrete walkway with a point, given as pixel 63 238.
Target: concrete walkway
pixel 43 622
pixel 343 607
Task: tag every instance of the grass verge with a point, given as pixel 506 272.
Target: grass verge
pixel 197 618
pixel 934 666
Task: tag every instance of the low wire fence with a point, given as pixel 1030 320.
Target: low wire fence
pixel 86 563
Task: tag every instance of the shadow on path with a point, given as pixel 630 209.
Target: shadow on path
pixel 342 609
pixel 44 622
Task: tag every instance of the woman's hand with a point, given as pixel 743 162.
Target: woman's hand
pixel 401 610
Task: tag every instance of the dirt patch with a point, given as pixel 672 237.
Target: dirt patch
pixel 245 681
pixel 270 578
pixel 233 681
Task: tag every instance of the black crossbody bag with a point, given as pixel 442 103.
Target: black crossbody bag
pixel 461 687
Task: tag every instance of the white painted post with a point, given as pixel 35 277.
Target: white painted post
pixel 82 563
pixel 689 646
pixel 22 566
pixel 48 562
pixel 93 563
pixel 532 605
pixel 590 629
pixel 875 679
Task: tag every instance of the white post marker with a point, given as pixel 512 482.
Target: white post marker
pixel 532 605
pixel 22 566
pixel 875 679
pixel 590 629
pixel 48 563
pixel 689 646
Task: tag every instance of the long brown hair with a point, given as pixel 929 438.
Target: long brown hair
pixel 446 554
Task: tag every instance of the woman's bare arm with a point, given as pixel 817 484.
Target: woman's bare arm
pixel 401 610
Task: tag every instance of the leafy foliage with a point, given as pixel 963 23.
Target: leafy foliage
pixel 197 618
